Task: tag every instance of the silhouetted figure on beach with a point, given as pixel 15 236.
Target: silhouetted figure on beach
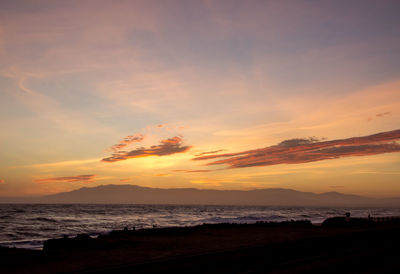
pixel 347 216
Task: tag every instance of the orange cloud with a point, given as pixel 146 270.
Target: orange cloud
pixel 210 152
pixel 69 179
pixel 296 151
pixel 383 114
pixel 166 147
pixel 127 141
pixel 192 170
pixel 2 181
pixel 162 174
pixel 380 115
pixel 158 126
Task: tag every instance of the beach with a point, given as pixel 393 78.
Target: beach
pixel 369 246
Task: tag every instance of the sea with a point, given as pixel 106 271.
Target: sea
pixel 29 225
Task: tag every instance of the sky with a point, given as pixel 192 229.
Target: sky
pixel 200 94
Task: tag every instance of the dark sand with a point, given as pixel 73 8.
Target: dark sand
pixel 370 247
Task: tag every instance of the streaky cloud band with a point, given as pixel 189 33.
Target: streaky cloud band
pixel 297 151
pixel 68 179
pixel 166 147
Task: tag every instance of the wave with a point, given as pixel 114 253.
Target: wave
pixel 28 234
pixel 52 221
pixel 44 219
pixel 36 244
pixel 245 219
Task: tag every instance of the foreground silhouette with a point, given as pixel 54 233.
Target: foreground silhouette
pixel 338 245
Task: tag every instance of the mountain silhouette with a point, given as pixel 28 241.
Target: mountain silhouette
pixel 133 194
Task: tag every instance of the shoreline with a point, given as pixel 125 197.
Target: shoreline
pixel 21 232
pixel 28 227
pixel 27 243
pixel 159 249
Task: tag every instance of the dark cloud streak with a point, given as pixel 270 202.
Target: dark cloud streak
pixel 297 151
pixel 192 170
pixel 383 114
pixel 209 152
pixel 127 141
pixel 69 179
pixel 166 147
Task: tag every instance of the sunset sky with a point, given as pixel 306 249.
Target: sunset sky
pixel 205 94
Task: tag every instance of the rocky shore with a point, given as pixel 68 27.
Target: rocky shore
pixel 340 244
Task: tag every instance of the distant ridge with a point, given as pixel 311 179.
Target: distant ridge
pixel 133 194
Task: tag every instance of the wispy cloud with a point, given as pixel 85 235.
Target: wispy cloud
pixel 210 152
pixel 59 164
pixel 166 147
pixel 68 179
pixel 192 170
pixel 382 114
pixel 46 107
pixel 375 172
pixel 296 151
pixel 136 138
pixel 162 175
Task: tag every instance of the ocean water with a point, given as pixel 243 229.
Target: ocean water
pixel 28 225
